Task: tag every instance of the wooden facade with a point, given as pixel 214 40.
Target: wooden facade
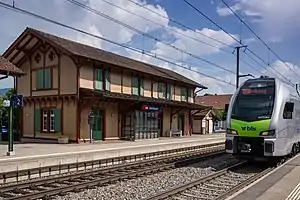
pixel 62 86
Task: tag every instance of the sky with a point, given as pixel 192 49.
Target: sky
pixel 180 37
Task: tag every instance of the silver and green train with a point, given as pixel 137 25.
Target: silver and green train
pixel 263 120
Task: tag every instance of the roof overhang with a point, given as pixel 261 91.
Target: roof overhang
pixel 120 96
pixel 9 69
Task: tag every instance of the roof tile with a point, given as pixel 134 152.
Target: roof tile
pixel 80 49
pixel 6 66
pixel 217 101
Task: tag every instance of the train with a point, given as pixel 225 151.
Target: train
pixel 263 120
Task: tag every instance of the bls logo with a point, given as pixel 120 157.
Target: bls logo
pixel 248 128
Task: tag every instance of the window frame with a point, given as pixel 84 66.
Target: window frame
pixel 162 89
pixel 186 94
pixel 105 77
pixel 139 85
pixel 49 113
pixel 285 114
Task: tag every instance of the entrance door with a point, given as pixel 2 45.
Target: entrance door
pixel 98 126
pixel 180 122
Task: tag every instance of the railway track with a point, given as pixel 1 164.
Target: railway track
pixel 43 171
pixel 53 185
pixel 218 185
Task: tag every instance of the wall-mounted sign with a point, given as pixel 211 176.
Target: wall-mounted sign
pixel 150 108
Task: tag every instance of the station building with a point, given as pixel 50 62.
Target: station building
pixel 65 80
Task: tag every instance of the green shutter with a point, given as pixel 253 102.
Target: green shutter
pixel 141 87
pixel 47 75
pixel 107 80
pixel 40 79
pixel 183 94
pixel 169 92
pixel 37 120
pixel 98 79
pixel 135 84
pixel 160 92
pixel 57 120
pixel 189 93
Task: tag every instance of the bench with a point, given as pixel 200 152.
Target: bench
pixel 176 132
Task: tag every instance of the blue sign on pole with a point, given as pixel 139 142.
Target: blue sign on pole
pixel 17 100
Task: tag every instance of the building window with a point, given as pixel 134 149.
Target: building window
pixel 162 90
pixel 44 79
pixel 107 80
pixel 101 75
pixel 50 121
pixel 45 120
pixel 184 94
pixel 169 92
pixel 99 79
pixel 190 95
pixel 137 86
pixel 141 87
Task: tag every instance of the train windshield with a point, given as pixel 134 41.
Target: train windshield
pixel 255 101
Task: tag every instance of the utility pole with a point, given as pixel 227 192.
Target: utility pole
pixel 238 76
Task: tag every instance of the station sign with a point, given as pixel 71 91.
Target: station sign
pixel 150 108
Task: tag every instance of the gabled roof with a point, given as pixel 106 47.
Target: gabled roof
pixel 7 68
pixel 216 101
pixel 89 52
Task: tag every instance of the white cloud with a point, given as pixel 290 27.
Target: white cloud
pixel 224 11
pixel 277 18
pixel 190 44
pixel 90 22
pixel 288 70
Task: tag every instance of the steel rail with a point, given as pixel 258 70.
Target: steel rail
pixel 145 166
pixel 191 184
pixel 226 192
pixel 82 166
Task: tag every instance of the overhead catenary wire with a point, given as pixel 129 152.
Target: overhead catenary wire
pixel 188 28
pixel 259 38
pixel 97 12
pixel 168 28
pixel 239 42
pixel 199 33
pixel 28 13
pixel 174 30
pixel 180 24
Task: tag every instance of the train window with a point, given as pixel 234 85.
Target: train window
pixel 288 110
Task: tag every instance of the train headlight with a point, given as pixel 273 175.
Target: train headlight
pixel 267 133
pixel 231 131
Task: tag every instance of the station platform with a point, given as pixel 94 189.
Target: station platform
pixel 282 183
pixel 35 155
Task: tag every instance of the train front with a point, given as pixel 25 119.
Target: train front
pixel 248 119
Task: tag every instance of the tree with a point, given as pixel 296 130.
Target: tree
pixel 5 112
pixel 219 113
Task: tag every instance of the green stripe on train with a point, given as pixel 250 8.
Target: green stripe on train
pixel 250 129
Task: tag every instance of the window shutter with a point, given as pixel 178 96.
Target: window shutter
pixel 189 93
pixel 169 93
pixel 40 79
pixel 107 80
pixel 160 92
pixel 37 120
pixel 135 84
pixel 141 87
pixel 183 94
pixel 47 75
pixel 98 79
pixel 57 120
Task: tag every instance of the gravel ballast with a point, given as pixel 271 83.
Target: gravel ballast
pixel 149 185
